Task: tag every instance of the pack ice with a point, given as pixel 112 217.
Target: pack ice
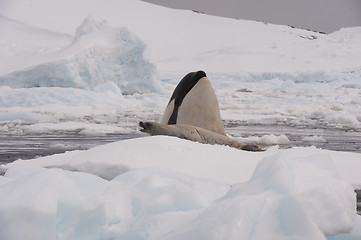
pixel 104 78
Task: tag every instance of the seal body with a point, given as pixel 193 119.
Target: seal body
pixel 194 103
pixel 195 134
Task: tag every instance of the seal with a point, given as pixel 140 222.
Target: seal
pixel 194 103
pixel 195 134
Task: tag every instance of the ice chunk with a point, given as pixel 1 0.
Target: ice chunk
pixel 314 139
pixel 99 53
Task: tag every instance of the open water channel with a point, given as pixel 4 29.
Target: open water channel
pixel 13 146
pixel 338 138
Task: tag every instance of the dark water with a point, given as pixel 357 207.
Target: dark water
pixel 358 192
pixel 338 138
pixel 14 147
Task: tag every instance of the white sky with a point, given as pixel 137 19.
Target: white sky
pixel 319 15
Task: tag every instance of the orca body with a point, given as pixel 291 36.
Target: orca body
pixel 194 103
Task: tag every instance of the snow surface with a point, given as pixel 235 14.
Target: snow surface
pixel 98 68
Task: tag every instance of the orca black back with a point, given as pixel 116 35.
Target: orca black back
pixel 184 86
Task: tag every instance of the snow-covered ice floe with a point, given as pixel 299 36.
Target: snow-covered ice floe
pixel 168 188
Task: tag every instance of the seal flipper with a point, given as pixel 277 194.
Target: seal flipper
pixel 252 148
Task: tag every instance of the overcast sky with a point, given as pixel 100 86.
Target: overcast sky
pixel 319 15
